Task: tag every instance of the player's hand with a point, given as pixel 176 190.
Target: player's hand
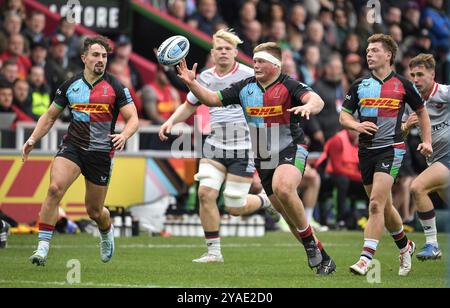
pixel 165 130
pixel 425 149
pixel 185 74
pixel 304 111
pixel 27 148
pixel 367 128
pixel 119 141
pixel 412 120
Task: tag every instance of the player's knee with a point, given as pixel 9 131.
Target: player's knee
pixel 283 192
pixel 375 207
pixel 55 190
pixel 207 195
pixel 417 189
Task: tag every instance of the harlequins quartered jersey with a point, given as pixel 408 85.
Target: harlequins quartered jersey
pixel 382 102
pixel 94 110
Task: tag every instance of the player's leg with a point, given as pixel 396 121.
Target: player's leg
pixel 95 201
pixel 394 225
pixel 310 188
pixel 62 175
pixel 211 176
pixel 378 193
pixel 97 172
pixel 433 179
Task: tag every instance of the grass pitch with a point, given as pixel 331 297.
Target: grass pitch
pixel 274 261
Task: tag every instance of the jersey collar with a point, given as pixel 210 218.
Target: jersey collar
pixel 91 86
pixel 391 74
pixel 264 89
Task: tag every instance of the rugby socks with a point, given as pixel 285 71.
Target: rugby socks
pixel 401 240
pixel 45 236
pixel 428 221
pixel 369 249
pixel 213 242
pixel 104 234
pixel 306 235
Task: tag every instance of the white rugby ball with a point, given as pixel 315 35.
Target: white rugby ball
pixel 173 50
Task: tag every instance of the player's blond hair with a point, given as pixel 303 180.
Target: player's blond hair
pixel 227 35
pixel 427 60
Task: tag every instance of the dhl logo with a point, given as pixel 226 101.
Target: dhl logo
pixel 91 108
pixel 265 112
pixel 388 103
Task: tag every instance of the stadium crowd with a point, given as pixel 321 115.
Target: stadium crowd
pixel 323 45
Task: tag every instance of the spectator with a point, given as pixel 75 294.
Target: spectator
pixel 438 23
pixel 122 55
pixel 395 31
pixel 58 68
pixel 329 27
pixel 351 45
pixel 342 27
pixel 297 19
pixel 206 17
pixel 393 16
pixel 332 92
pixel 309 70
pixel 6 104
pixel 159 99
pixel 177 9
pixel 14 53
pixel 22 97
pixel 277 34
pixel 251 37
pixel 12 24
pixel 10 71
pixel 16 6
pixel 40 92
pixel 72 40
pixel 315 36
pixel 38 53
pixel 35 27
pixel 411 20
pixel 247 14
pixel 353 68
pixel 423 43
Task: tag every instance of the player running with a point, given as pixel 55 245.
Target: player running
pixel 380 100
pixel 436 177
pixel 227 155
pixel 95 99
pixel 272 102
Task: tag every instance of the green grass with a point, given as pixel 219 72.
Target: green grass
pixel 275 260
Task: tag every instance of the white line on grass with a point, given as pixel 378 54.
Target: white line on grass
pixel 83 284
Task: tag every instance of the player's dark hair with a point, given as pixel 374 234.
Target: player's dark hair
pixel 100 40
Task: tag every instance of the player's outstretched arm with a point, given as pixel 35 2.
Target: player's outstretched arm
pixel 312 104
pixel 180 115
pixel 45 122
pixel 205 96
pixel 130 116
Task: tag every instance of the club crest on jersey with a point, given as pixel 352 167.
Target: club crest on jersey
pixel 388 103
pixel 265 112
pixel 91 108
pixel 105 91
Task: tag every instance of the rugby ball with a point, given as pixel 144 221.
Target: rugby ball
pixel 173 50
